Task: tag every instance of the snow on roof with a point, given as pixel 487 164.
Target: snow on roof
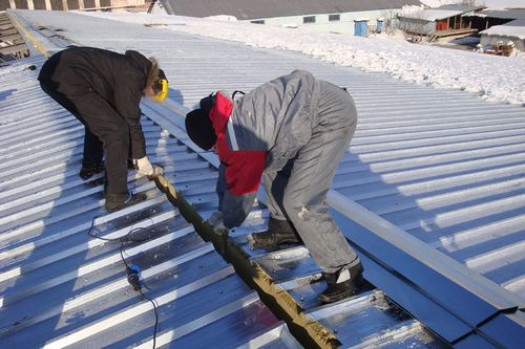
pixel 417 63
pixel 514 28
pixel 428 14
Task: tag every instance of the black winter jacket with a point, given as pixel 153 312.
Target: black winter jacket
pixel 119 79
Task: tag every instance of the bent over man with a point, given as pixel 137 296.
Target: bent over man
pixel 292 132
pixel 103 89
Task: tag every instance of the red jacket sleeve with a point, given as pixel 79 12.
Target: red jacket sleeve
pixel 244 170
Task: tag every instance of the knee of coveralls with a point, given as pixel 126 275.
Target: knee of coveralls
pixel 301 212
pixel 115 138
pixel 318 230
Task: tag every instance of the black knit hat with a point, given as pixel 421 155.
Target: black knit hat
pixel 200 129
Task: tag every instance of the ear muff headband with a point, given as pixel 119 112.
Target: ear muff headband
pixel 161 90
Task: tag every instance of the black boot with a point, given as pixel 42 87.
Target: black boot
pixel 115 202
pixel 89 170
pixel 342 284
pixel 279 232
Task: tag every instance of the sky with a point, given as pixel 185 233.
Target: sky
pixel 492 78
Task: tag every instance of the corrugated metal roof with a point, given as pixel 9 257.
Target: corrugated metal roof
pixel 441 164
pixel 61 288
pixel 432 14
pixel 512 29
pixel 242 9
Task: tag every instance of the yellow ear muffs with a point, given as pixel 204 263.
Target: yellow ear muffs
pixel 161 90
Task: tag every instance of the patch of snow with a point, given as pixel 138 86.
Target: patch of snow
pixel 514 28
pixel 428 14
pixel 494 78
pixel 225 18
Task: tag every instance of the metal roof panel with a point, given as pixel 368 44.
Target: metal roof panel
pixel 427 155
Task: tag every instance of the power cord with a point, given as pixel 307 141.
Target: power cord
pixel 132 270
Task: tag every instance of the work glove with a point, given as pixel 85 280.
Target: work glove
pixel 217 223
pixel 143 166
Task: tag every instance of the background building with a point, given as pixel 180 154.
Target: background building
pixel 438 22
pixel 64 5
pixel 349 17
pixel 509 34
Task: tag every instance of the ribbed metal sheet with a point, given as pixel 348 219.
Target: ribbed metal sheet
pixel 442 164
pixel 61 288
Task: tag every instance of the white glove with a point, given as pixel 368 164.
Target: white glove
pixel 216 222
pixel 143 166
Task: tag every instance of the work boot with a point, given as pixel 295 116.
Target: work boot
pixel 115 202
pixel 342 284
pixel 279 232
pixel 89 170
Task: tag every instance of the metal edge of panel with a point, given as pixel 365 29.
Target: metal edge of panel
pixel 457 284
pixel 43 45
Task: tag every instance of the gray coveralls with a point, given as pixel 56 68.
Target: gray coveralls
pixel 304 126
pixel 298 191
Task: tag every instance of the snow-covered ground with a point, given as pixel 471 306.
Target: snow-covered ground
pixel 494 78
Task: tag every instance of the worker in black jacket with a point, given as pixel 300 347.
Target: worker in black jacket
pixel 103 89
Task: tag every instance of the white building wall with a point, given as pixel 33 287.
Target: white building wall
pixel 345 25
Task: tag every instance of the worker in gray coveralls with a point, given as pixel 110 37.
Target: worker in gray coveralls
pixel 292 132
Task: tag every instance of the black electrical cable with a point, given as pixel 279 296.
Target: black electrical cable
pixel 133 277
pixel 138 287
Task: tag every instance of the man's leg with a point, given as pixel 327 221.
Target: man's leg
pixel 93 154
pixel 305 203
pixel 305 199
pixel 93 149
pixel 108 126
pixel 105 126
pixel 113 131
pixel 280 228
